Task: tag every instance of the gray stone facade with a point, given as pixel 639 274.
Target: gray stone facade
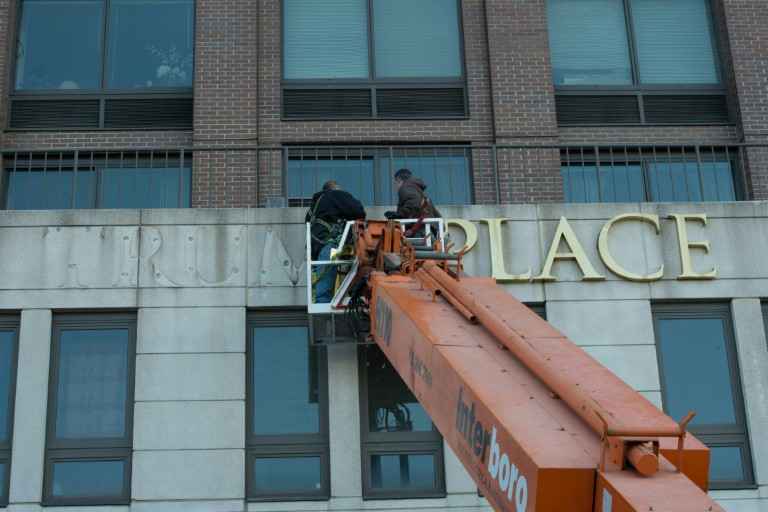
pixel 192 274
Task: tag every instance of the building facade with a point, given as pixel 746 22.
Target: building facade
pixel 158 157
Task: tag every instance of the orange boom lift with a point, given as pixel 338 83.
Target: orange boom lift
pixel 537 422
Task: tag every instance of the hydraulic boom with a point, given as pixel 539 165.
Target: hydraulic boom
pixel 538 423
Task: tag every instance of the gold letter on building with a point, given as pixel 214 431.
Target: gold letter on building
pixel 607 257
pixel 685 245
pixel 565 233
pixel 470 232
pixel 498 269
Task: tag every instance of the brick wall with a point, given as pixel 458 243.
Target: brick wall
pixel 746 26
pixel 511 101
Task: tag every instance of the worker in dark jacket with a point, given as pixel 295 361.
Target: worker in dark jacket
pixel 327 215
pixel 412 200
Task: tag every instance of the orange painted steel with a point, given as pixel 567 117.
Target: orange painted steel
pixel 538 423
pixel 525 446
pixel 643 459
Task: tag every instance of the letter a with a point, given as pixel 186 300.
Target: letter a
pixel 564 232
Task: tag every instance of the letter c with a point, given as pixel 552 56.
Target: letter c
pixel 607 257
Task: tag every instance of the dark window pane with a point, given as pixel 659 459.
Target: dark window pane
pixel 59 45
pixel 686 181
pixel 150 44
pixel 617 183
pixel 704 387
pixel 6 367
pixel 391 405
pixel 446 175
pixel 50 190
pixel 146 188
pixel 402 471
pixel 88 478
pixel 3 476
pixel 284 401
pixel 588 42
pixel 353 173
pixel 416 38
pixel 674 42
pixel 327 39
pixel 286 474
pixel 92 384
pixel 726 464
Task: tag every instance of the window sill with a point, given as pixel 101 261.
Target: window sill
pixel 745 493
pixel 370 119
pixel 100 130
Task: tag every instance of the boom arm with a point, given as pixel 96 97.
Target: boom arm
pixel 538 423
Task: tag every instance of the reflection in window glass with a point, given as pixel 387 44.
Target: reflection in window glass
pixel 286 474
pixel 391 405
pixel 50 190
pixel 725 464
pixel 88 478
pixel 416 39
pixel 588 42
pixel 92 385
pixel 353 174
pixel 146 188
pixel 674 42
pixel 617 183
pixel 327 39
pixel 133 187
pixel 158 55
pixel 686 181
pixel 59 45
pixel 402 471
pixel 446 176
pixel 6 367
pixel 368 174
pixel 704 387
pixel 284 401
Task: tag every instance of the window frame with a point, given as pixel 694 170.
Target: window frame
pixel 102 94
pixel 638 90
pixel 395 443
pixel 82 450
pixel 732 436
pixel 75 163
pixel 372 83
pixel 286 445
pixel 9 322
pixel 645 157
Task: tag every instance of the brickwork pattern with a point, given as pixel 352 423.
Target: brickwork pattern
pixel 746 25
pixel 511 101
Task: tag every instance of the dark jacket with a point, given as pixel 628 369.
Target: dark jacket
pixel 412 201
pixel 328 208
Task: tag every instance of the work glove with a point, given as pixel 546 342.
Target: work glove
pixel 390 215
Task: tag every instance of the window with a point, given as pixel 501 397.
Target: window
pixel 9 332
pixel 287 417
pixel 402 449
pixel 711 387
pixel 90 410
pixel 635 61
pixel 97 180
pixel 368 173
pixel 765 319
pixel 372 58
pixel 606 175
pixel 68 48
